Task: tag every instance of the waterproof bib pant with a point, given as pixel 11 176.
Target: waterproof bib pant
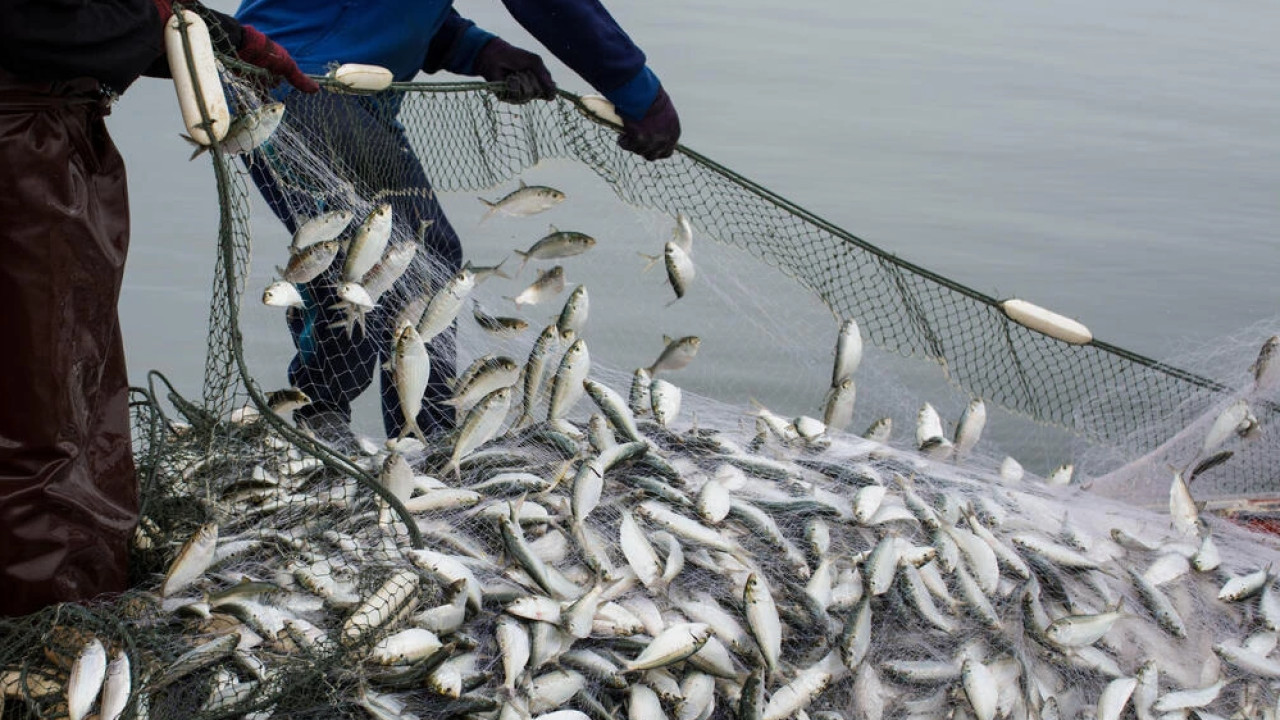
pixel 361 140
pixel 68 491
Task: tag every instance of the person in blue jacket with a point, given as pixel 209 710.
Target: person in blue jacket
pixel 371 149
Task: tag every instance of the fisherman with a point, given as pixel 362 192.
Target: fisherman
pixel 369 146
pixel 68 490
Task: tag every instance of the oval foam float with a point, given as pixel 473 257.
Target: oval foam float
pixel 369 78
pixel 206 74
pixel 603 109
pixel 1047 322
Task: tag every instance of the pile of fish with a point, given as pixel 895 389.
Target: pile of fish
pixel 588 555
pixel 605 565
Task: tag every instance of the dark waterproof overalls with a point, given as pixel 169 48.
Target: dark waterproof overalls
pixel 68 493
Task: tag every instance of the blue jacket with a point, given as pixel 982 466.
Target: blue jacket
pixel 406 36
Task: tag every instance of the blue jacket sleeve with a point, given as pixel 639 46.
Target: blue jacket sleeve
pixel 455 45
pixel 584 36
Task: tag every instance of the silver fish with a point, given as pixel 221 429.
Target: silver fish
pixel 524 201
pixel 355 295
pixel 116 688
pixel 573 317
pixel 762 619
pixel 534 369
pixel 680 270
pixel 682 235
pixel 247 131
pixel 556 244
pixel 567 388
pixel 192 560
pixel 496 325
pixel 677 354
pixel 309 263
pixel 321 228
pixel 282 294
pixel 85 680
pixel 837 411
pixel 1266 372
pixel 879 431
pixel 548 285
pixel 390 267
pixel 638 399
pixel 411 366
pixel 492 374
pixel 368 244
pixel 969 430
pixel 480 426
pixel 445 305
pixel 484 272
pixel 848 351
pixel 286 400
pixel 665 399
pixel 399 589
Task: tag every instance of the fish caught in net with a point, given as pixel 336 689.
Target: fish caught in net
pixel 592 541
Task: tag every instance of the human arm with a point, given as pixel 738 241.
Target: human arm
pixel 584 36
pixel 113 41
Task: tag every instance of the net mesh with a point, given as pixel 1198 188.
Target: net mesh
pixel 615 556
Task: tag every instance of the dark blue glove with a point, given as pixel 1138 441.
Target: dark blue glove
pixel 522 71
pixel 655 135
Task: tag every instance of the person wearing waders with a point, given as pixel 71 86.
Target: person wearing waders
pixel 68 491
pixel 363 139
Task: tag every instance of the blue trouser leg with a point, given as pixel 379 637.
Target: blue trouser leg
pixel 359 138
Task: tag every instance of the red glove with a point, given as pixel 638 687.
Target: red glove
pixel 258 49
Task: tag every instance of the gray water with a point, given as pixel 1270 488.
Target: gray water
pixel 1116 162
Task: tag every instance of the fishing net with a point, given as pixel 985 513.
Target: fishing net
pixel 683 557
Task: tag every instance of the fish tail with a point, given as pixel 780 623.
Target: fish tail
pixel 524 260
pixel 653 260
pixel 497 270
pixel 493 208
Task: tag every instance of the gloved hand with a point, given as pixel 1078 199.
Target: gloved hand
pixel 258 49
pixel 523 72
pixel 249 45
pixel 655 135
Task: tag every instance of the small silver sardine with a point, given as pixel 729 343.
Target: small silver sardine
pixel 411 367
pixel 573 317
pixel 677 354
pixel 368 244
pixel 309 263
pixel 321 228
pixel 282 294
pixel 524 201
pixel 548 285
pixel 556 244
pixel 446 304
pixel 680 270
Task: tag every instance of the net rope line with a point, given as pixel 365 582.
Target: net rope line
pixel 923 314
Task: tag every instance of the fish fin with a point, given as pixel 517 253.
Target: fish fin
pixel 673 302
pixel 667 339
pixel 200 149
pixel 522 184
pixel 553 228
pixel 653 260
